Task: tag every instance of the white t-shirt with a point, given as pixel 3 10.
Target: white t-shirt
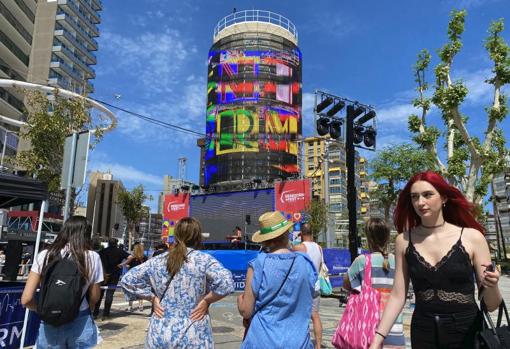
pixel 314 251
pixel 93 263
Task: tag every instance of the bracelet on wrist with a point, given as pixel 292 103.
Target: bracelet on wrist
pixel 380 334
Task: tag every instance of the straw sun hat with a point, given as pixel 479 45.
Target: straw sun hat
pixel 272 225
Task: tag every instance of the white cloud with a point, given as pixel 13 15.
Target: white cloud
pixel 127 174
pixel 154 60
pixel 480 92
pixel 396 114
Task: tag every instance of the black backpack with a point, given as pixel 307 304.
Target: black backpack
pixel 61 292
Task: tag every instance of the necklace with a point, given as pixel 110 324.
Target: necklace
pixel 433 226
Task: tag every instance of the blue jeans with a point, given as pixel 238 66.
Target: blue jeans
pixel 81 333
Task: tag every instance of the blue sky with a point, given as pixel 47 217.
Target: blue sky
pixel 154 54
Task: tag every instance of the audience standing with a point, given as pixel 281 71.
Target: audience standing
pixel 382 271
pixel 73 242
pixel 314 251
pixel 111 257
pixel 280 285
pixel 137 258
pixel 181 284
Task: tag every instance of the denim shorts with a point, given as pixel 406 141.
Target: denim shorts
pixel 79 334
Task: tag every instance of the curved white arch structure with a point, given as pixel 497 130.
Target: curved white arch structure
pixel 8 83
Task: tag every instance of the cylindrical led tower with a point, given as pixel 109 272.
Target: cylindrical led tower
pixel 253 99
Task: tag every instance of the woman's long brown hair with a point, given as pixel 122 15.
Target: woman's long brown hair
pixel 75 233
pixel 378 236
pixel 188 233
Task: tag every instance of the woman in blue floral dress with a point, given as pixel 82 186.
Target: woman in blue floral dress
pixel 181 284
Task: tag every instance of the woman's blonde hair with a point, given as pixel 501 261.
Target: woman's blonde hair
pixel 138 252
pixel 378 237
pixel 187 233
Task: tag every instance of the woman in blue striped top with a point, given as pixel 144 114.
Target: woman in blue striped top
pixel 383 272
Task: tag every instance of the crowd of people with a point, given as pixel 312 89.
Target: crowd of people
pixel 439 247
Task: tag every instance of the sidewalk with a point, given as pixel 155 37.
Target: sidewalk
pixel 127 330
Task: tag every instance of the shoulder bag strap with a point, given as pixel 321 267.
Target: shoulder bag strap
pixel 502 308
pixel 367 280
pixel 169 281
pixel 279 289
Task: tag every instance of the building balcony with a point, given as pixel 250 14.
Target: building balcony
pixel 15 50
pixel 11 19
pixel 12 100
pixel 11 74
pixel 64 68
pixel 63 52
pixel 12 139
pixel 70 41
pixel 71 6
pixel 26 10
pixel 71 25
pixel 96 4
pixel 94 15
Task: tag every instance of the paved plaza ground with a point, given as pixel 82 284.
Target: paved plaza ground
pixel 127 330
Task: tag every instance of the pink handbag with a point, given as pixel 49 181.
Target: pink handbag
pixel 357 327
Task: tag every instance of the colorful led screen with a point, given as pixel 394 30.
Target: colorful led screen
pixel 253 106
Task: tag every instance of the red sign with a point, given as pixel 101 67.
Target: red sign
pixel 292 198
pixel 176 206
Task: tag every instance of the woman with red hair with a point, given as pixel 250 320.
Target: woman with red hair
pixel 441 248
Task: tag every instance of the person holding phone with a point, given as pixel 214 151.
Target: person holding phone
pixel 442 249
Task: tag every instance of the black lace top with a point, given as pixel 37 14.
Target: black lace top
pixel 446 287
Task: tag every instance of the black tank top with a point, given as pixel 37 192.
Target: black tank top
pixel 446 287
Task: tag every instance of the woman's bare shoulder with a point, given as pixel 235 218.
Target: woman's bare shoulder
pixel 473 236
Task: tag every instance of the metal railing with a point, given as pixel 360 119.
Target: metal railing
pixel 256 16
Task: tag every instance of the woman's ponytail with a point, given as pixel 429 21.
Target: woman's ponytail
pixel 187 233
pixel 176 257
pixel 386 262
pixel 378 237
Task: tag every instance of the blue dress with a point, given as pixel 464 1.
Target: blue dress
pixel 199 275
pixel 284 322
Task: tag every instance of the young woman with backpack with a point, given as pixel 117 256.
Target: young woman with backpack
pixel 69 274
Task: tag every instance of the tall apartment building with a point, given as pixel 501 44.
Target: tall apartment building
pixel 45 42
pixel 172 185
pixel 103 209
pixel 16 38
pixel 64 43
pixel 317 151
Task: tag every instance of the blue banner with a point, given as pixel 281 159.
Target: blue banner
pixel 236 261
pixel 12 314
pixel 337 260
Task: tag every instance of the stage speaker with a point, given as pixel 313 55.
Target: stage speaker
pixel 247 219
pixel 12 259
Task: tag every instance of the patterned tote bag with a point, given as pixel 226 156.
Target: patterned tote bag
pixel 357 327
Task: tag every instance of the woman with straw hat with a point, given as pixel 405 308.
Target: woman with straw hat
pixel 279 290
